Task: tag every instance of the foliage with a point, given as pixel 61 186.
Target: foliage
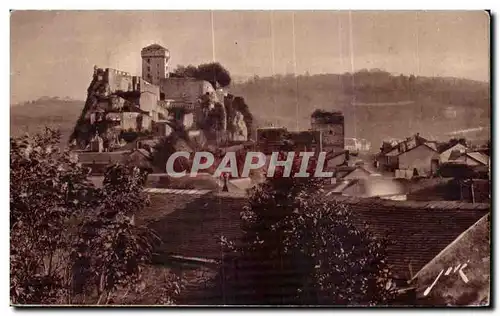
pixel 319 113
pixel 46 191
pixel 70 242
pixel 298 249
pixel 214 73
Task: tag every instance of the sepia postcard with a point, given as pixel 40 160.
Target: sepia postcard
pixel 251 158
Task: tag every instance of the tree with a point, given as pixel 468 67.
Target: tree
pixel 72 243
pixel 213 72
pixel 185 71
pixel 298 249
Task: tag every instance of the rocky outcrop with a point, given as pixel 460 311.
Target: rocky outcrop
pixel 217 119
pixel 240 120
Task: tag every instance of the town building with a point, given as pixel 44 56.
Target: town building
pixel 331 126
pixel 271 139
pixel 421 160
pixel 414 156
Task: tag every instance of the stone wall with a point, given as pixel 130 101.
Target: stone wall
pixel 185 89
pixel 118 80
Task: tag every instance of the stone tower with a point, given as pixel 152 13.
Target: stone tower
pixel 331 125
pixel 155 59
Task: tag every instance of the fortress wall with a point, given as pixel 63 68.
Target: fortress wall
pixel 150 95
pixel 180 89
pixel 118 80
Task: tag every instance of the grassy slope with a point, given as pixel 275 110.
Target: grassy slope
pixel 33 117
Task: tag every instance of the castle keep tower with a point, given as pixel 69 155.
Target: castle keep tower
pixel 155 59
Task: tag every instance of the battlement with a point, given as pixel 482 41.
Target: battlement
pixel 118 72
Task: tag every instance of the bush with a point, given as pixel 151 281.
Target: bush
pixel 297 249
pixel 72 243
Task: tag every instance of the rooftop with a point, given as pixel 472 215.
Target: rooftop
pixel 154 47
pixel 190 225
pixel 471 248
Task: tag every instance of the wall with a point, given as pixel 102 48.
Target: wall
pixel 149 97
pixel 129 120
pixel 270 139
pixel 161 129
pixel 482 191
pixel 116 102
pixel 332 134
pixel 147 123
pixel 420 158
pixel 188 120
pixel 118 80
pixel 184 89
pixel 307 141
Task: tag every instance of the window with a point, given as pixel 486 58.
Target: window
pixel 149 60
pixel 149 68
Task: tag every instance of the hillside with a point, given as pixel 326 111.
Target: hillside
pixel 385 106
pixel 33 116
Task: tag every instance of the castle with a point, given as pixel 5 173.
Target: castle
pixel 155 104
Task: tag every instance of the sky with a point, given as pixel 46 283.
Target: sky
pixel 53 52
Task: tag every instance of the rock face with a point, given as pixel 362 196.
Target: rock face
pixel 240 130
pixel 240 120
pixel 116 102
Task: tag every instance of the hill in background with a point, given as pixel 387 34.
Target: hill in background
pixel 52 112
pixel 376 104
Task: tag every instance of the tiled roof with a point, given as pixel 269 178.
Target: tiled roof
pixel 418 231
pixel 471 248
pixel 479 157
pixel 442 147
pixel 417 139
pixel 190 224
pixel 154 46
pixel 103 157
pixel 429 145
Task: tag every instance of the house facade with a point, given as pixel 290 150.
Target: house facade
pixel 422 160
